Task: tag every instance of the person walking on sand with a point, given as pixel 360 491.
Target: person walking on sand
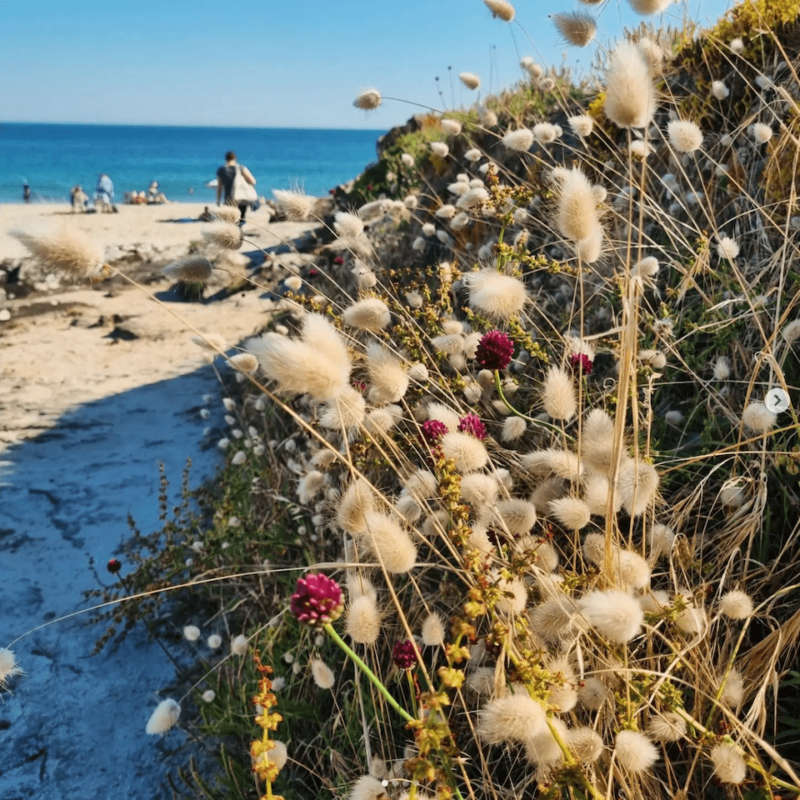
pixel 235 183
pixel 104 193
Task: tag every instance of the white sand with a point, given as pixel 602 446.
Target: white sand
pixel 144 226
pixel 59 357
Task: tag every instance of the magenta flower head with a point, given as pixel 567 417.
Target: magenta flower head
pixel 494 350
pixel 433 430
pixel 472 424
pixel 582 361
pixel 404 655
pixel 317 600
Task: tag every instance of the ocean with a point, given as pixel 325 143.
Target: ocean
pixel 54 158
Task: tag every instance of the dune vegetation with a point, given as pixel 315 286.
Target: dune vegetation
pixel 510 500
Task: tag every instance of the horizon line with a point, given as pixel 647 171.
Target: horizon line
pixel 214 127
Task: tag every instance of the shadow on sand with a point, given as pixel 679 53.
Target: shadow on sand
pixel 75 725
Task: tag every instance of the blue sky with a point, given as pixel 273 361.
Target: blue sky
pixel 294 63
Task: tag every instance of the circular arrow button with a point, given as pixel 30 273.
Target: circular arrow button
pixel 776 401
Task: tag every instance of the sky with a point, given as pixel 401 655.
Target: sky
pixel 275 63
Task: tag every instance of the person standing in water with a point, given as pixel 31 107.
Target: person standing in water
pixel 226 176
pixel 26 193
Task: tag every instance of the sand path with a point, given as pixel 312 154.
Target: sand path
pixel 86 414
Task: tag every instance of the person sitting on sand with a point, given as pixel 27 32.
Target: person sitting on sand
pixel 225 180
pixel 79 199
pixel 152 192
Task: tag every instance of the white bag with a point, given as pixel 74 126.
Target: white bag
pixel 242 191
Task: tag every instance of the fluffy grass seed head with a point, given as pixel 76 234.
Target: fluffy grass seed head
pixel 586 743
pixel 514 597
pixel 660 538
pixel 727 248
pixel 633 571
pixel 223 237
pixel 227 214
pixel 594 694
pixel 635 752
pixel 684 135
pixel 581 124
pixel 452 127
pixel 630 95
pixel 561 463
pixel 468 453
pixel 363 622
pixel 758 418
pixel 278 754
pixel 354 505
pixel 575 27
pixel 388 374
pixel 440 149
pixel 571 512
pixel 367 788
pixel 370 315
pixel 719 90
pixel 296 206
pixel 239 645
pixel 666 727
pixel 194 269
pixel 515 515
pixel 66 251
pixel 722 369
pixel 558 394
pixel 390 543
pixel 8 666
pixel 344 413
pixel 368 100
pixel 648 7
pixel 790 332
pixel 519 140
pixel 614 614
pixel 348 226
pixel 637 484
pixel 761 133
pixel 214 342
pixel 736 604
pixel 478 489
pixel 433 633
pixel 513 718
pixel 317 364
pixel 322 674
pixel 513 429
pixel 729 766
pixel 543 749
pixel 499 297
pixel 244 362
pixel 733 691
pixel 576 216
pixel 500 9
pixel 470 80
pixel 164 716
pixel 191 633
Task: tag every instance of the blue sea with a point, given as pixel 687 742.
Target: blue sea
pixel 54 158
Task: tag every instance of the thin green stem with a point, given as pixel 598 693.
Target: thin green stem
pixel 368 672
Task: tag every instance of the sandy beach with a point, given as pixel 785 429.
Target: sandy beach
pixel 66 345
pixel 155 229
pixel 98 384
